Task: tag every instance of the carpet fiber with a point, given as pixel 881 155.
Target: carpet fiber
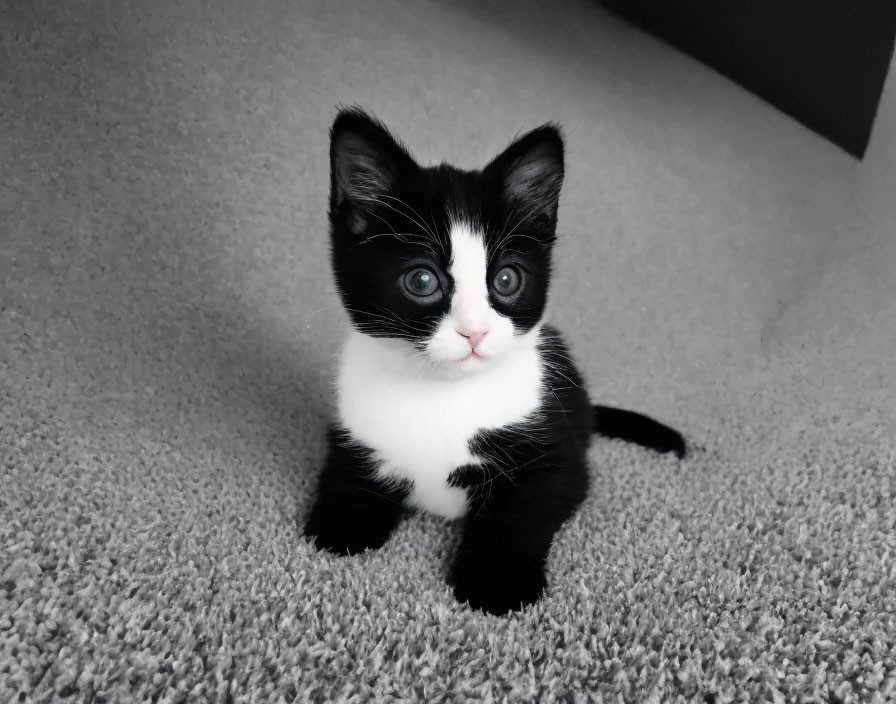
pixel 168 329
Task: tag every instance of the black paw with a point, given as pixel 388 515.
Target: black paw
pixel 344 537
pixel 497 585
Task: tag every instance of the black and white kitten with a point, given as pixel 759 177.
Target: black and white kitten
pixel 453 396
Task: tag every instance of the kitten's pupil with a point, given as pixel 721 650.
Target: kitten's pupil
pixel 507 281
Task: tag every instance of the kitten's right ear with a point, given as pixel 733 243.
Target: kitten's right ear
pixel 366 163
pixel 530 171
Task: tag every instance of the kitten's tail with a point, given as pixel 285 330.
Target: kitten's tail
pixel 637 428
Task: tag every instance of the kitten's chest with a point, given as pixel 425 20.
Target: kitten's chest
pixel 420 428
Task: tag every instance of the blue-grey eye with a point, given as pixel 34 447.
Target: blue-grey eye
pixel 421 282
pixel 507 281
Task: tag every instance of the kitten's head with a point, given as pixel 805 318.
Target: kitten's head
pixel 451 265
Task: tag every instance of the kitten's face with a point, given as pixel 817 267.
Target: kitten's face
pixel 453 266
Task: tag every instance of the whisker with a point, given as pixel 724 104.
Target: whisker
pixel 423 226
pixel 420 239
pixel 382 496
pixel 320 310
pixel 421 222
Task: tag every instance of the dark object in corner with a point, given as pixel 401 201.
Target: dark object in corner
pixel 823 62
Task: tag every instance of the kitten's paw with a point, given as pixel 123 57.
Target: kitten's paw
pixel 343 537
pixel 498 585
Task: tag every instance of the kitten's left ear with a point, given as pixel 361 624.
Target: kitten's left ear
pixel 530 171
pixel 366 164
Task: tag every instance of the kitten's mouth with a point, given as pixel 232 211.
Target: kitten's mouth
pixel 473 355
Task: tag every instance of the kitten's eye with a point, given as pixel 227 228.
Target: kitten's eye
pixel 507 281
pixel 421 282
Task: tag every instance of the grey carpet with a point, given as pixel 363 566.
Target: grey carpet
pixel 167 332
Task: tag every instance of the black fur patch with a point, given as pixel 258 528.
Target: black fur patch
pixel 353 511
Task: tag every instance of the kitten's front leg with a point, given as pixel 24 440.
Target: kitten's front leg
pixel 500 564
pixel 352 511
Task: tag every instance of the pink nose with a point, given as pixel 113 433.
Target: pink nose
pixel 474 336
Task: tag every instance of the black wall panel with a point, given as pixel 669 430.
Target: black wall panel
pixel 823 62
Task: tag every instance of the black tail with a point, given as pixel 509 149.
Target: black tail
pixel 639 429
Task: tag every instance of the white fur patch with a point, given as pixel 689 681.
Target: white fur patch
pixel 470 307
pixel 419 422
pixel 469 304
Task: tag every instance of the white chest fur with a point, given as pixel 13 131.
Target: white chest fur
pixel 420 425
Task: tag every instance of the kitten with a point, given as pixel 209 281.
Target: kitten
pixel 453 396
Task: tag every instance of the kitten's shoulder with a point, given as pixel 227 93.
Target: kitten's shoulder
pixel 565 388
pixel 553 348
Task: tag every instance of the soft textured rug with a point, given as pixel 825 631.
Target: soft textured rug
pixel 168 328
